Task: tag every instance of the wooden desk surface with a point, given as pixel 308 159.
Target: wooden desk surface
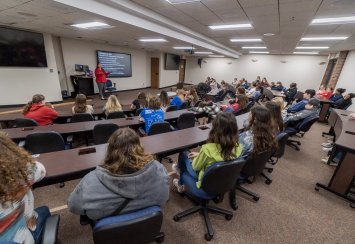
pixel 70 128
pixel 68 164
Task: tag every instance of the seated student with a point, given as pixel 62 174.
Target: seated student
pixel 127 173
pixel 19 221
pixel 112 105
pixel 80 106
pixel 164 100
pixel 38 111
pixel 344 102
pixel 311 109
pixel 276 116
pixel 245 84
pixel 222 145
pixel 338 94
pixel 277 87
pixel 280 102
pixel 255 92
pixel 178 99
pixel 239 103
pixel 240 90
pixel 152 114
pixel 264 82
pixel 204 110
pixel 308 94
pixel 326 94
pixel 228 90
pixel 140 102
pixel 291 92
pixel 192 97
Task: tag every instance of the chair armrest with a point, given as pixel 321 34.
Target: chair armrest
pixel 51 229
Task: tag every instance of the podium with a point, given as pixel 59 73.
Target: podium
pixel 83 84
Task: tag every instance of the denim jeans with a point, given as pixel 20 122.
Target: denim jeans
pixel 185 166
pixel 43 214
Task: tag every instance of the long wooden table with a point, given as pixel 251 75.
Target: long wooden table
pixel 343 178
pixel 67 165
pixel 72 128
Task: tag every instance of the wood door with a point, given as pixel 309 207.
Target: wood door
pixel 154 73
pixel 182 66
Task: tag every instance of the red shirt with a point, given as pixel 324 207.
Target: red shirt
pixel 42 114
pixel 100 75
pixel 326 94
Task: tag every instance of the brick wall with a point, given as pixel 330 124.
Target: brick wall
pixel 337 68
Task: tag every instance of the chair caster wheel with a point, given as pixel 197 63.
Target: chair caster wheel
pixel 159 239
pixel 229 216
pixel 256 199
pixel 208 237
pixel 270 170
pixel 316 188
pixel 176 218
pixel 268 182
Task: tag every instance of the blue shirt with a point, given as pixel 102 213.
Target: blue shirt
pixel 176 101
pixel 335 97
pixel 298 106
pixel 151 116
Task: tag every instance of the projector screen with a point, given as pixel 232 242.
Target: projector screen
pixel 119 64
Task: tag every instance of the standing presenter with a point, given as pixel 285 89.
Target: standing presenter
pixel 101 79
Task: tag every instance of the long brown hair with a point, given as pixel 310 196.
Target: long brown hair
pixel 276 117
pixel 125 153
pixel 264 138
pixel 80 103
pixel 164 99
pixel 14 173
pixel 225 133
pixel 242 101
pixel 37 98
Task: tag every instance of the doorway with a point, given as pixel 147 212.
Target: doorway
pixel 154 73
pixel 182 66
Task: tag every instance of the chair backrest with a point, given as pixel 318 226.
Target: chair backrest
pixel 268 94
pixel 239 112
pixel 221 177
pixel 81 118
pixel 249 106
pixel 44 142
pixel 256 163
pixel 116 115
pixel 307 123
pixel 299 96
pixel 184 105
pixel 159 128
pixel 108 83
pixel 186 120
pixel 102 132
pixel 140 226
pixel 138 111
pixel 171 108
pixel 23 122
pixel 282 140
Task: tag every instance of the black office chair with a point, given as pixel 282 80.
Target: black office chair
pixel 282 141
pixel 253 167
pixel 116 115
pixel 141 226
pixel 268 95
pixel 302 127
pixel 44 142
pixel 172 108
pixel 138 111
pixel 218 179
pixel 250 104
pixel 159 128
pixel 102 132
pixel 197 103
pixel 184 105
pixel 185 120
pixel 298 97
pixel 23 122
pixel 81 118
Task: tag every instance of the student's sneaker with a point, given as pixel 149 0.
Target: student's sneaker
pixel 179 188
pixel 326 149
pixel 327 144
pixel 325 160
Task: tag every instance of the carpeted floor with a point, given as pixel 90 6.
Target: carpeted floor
pixel 289 210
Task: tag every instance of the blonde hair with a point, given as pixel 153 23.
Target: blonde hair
pixel 125 154
pixel 112 105
pixel 279 101
pixel 14 170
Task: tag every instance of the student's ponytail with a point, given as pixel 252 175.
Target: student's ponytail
pixel 27 108
pixel 35 99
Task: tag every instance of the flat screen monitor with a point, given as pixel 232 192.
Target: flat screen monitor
pixel 86 68
pixel 118 64
pixel 19 48
pixel 172 61
pixel 79 67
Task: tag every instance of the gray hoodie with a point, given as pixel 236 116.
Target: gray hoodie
pixel 100 192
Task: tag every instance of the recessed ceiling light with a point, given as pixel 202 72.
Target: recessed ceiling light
pixel 301 47
pixel 259 47
pixel 216 56
pixel 330 38
pixel 184 48
pixel 202 52
pixel 92 25
pixel 333 21
pixel 153 40
pixel 269 34
pixel 246 40
pixel 181 1
pixel 259 52
pixel 230 27
pixel 311 53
